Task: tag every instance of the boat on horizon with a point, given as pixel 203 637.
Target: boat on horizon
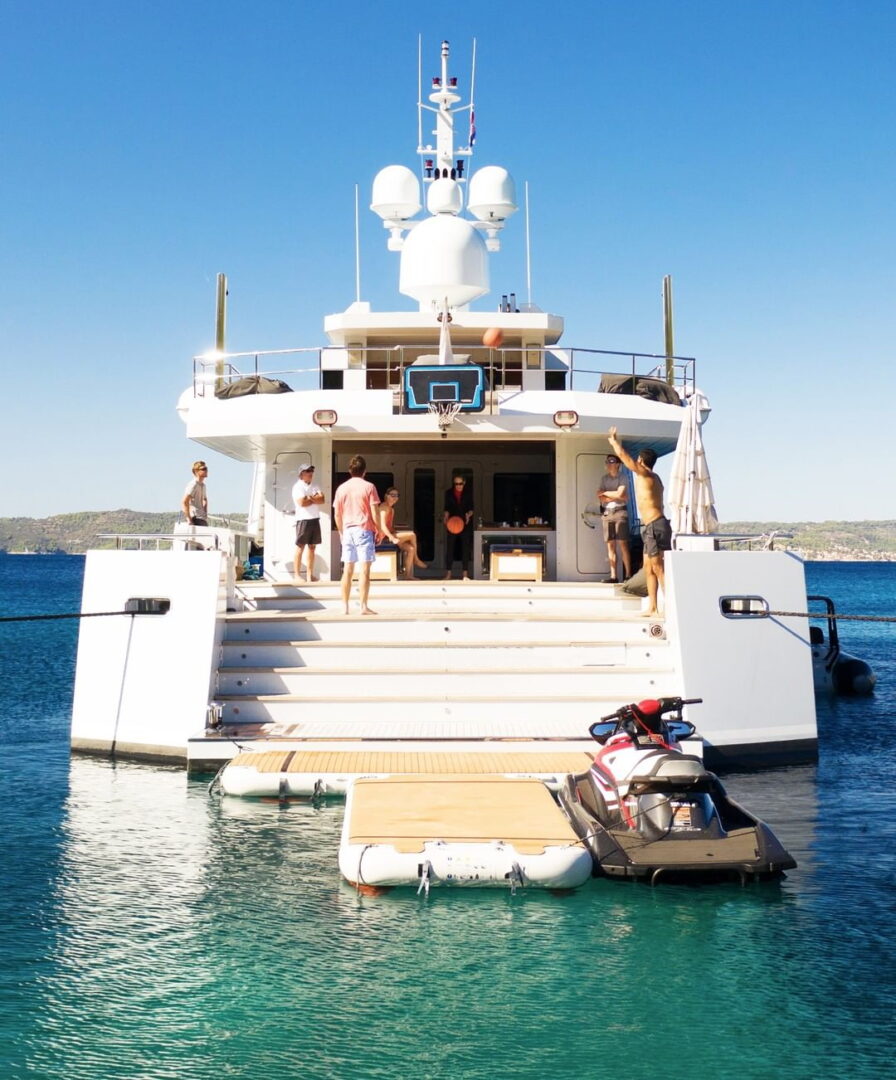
pixel 203 665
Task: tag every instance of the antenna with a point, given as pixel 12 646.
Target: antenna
pixel 473 77
pixel 221 313
pixel 667 328
pixel 357 251
pixel 528 251
pixel 220 329
pixel 419 92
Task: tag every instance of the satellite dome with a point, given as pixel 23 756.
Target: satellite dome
pixel 444 197
pixel 396 193
pixel 492 194
pixel 444 257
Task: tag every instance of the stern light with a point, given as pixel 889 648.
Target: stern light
pixel 566 419
pixel 324 418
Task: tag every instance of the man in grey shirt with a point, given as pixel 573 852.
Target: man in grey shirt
pixel 613 497
pixel 195 500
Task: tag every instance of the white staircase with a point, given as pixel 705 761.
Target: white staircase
pixel 440 662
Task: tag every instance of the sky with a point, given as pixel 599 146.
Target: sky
pixel 745 148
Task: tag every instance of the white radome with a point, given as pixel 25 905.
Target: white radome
pixel 396 193
pixel 492 194
pixel 444 197
pixel 444 257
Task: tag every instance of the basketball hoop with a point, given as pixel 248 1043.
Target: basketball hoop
pixel 445 413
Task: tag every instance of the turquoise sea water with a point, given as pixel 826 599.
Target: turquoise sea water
pixel 153 931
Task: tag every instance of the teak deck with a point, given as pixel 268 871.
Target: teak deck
pixel 432 763
pixel 408 811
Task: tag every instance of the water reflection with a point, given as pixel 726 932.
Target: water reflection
pixel 204 936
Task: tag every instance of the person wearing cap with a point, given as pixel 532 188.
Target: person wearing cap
pixel 307 497
pixel 613 497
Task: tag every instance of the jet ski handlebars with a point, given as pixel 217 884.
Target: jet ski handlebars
pixel 647 719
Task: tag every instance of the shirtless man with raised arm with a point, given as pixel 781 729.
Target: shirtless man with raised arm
pixel 656 532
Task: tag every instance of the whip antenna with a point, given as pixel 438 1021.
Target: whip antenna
pixel 528 252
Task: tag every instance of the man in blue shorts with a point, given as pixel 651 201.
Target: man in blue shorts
pixel 354 508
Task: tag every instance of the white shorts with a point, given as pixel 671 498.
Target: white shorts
pixel 358 545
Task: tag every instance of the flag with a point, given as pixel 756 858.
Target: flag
pixel 472 127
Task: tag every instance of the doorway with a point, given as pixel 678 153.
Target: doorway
pixel 429 481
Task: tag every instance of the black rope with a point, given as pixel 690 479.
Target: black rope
pixel 832 615
pixel 73 615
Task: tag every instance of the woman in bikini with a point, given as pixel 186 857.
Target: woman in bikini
pixel 405 539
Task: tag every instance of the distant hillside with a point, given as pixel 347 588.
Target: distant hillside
pixel 873 541
pixel 73 533
pixel 869 541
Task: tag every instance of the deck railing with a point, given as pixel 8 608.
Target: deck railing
pixel 230 540
pixel 565 368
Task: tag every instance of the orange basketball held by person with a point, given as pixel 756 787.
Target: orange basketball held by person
pixel 493 338
pixel 455 524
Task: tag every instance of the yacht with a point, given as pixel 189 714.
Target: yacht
pixel 208 649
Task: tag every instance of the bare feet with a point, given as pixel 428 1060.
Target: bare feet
pixel 367 611
pixel 421 565
pixel 466 576
pixel 447 577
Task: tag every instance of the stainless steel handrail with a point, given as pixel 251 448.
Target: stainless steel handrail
pixel 504 366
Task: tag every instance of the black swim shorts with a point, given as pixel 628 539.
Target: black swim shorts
pixel 657 536
pixel 308 532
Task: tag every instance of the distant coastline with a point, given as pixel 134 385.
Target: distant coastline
pixel 73 534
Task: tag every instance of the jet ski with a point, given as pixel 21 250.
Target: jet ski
pixel 646 810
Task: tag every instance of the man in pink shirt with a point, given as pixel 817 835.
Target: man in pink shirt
pixel 354 507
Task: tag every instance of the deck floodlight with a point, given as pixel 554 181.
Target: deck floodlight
pixel 324 418
pixel 566 419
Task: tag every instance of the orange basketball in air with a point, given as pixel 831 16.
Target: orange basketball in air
pixel 455 524
pixel 493 337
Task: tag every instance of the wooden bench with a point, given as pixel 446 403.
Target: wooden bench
pixel 384 567
pixel 523 563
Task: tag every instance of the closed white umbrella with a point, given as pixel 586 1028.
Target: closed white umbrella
pixel 690 496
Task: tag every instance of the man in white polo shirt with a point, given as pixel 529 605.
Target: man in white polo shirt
pixel 308 497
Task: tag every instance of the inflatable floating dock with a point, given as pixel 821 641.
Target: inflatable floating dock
pixel 468 830
pixel 303 773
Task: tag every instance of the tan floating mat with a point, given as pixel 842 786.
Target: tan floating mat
pixel 738 847
pixel 347 762
pixel 406 811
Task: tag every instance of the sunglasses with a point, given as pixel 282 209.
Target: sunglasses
pixel 459 483
pixel 392 495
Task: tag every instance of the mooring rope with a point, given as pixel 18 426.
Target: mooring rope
pixel 831 615
pixel 764 614
pixel 72 615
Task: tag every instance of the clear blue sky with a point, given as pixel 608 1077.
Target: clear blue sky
pixel 745 148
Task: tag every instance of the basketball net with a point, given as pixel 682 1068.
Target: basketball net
pixel 445 412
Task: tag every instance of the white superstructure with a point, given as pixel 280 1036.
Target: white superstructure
pixel 446 665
